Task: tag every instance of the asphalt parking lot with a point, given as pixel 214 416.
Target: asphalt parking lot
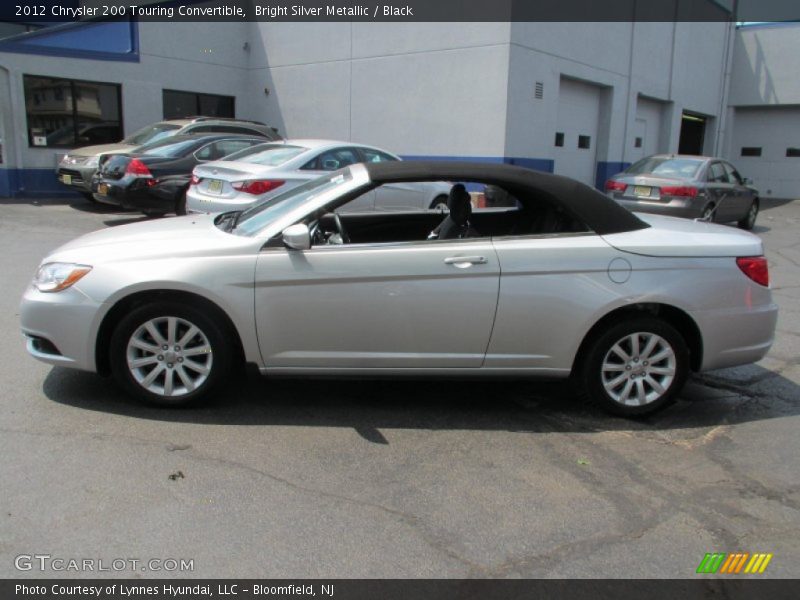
pixel 394 479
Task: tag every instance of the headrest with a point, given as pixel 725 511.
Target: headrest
pixel 460 204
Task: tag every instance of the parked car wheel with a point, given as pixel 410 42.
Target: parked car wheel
pixel 153 213
pixel 636 367
pixel 89 196
pixel 169 354
pixel 749 220
pixel 439 203
pixel 180 204
pixel 708 213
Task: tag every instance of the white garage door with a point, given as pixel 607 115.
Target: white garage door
pixel 646 129
pixel 578 117
pixel 766 148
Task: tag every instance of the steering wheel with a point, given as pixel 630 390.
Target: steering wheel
pixel 340 228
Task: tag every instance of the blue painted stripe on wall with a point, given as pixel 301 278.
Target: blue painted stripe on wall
pixel 606 170
pixel 32 182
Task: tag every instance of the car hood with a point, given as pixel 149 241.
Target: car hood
pixel 194 235
pixel 101 149
pixel 673 236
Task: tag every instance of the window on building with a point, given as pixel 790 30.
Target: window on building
pixel 584 142
pixel 559 139
pixel 751 151
pixel 178 105
pixel 637 143
pixel 793 152
pixel 69 113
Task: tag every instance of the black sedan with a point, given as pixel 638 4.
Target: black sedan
pixel 154 179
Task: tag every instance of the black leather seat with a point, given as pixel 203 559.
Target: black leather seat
pixel 456 225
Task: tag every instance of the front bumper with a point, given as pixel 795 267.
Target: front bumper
pixel 60 327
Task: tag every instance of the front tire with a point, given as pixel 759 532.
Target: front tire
pixel 749 220
pixel 636 367
pixel 169 354
pixel 90 197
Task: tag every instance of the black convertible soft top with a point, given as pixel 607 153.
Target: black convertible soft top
pixel 596 210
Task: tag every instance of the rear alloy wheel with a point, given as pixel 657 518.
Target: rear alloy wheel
pixel 169 354
pixel 636 367
pixel 749 220
pixel 708 213
pixel 439 203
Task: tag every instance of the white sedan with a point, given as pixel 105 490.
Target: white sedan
pixel 261 172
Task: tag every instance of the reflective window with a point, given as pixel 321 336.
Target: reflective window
pixel 333 160
pixel 371 155
pixel 178 105
pixel 269 155
pixel 71 113
pixel 663 165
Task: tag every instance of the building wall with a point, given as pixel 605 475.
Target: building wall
pixel 415 88
pixel 447 90
pixel 765 107
pixel 199 57
pixel 671 67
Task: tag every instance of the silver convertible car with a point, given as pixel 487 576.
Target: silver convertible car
pixel 564 283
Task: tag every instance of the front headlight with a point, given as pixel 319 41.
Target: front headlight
pixel 65 160
pixel 55 276
pixel 92 161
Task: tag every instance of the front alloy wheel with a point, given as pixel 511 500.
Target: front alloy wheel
pixel 169 354
pixel 636 367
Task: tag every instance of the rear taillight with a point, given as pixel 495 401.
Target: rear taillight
pixel 138 169
pixel 194 180
pixel 257 186
pixel 755 267
pixel 681 191
pixel 615 186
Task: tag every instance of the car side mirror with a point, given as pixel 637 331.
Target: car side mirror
pixel 297 237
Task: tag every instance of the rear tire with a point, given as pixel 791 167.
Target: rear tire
pixel 636 367
pixel 708 213
pixel 180 204
pixel 169 354
pixel 153 213
pixel 749 220
pixel 439 203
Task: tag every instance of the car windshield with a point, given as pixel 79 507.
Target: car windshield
pixel 666 166
pixel 259 215
pixel 169 148
pixel 150 134
pixel 268 155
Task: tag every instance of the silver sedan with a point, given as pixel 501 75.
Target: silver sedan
pixel 564 283
pixel 261 172
pixel 687 186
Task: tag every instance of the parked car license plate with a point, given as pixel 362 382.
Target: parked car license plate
pixel 66 179
pixel 215 186
pixel 102 189
pixel 641 190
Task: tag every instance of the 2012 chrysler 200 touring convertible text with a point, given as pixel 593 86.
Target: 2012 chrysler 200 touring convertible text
pixel 564 282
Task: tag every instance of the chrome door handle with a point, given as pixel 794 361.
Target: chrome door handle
pixel 465 260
